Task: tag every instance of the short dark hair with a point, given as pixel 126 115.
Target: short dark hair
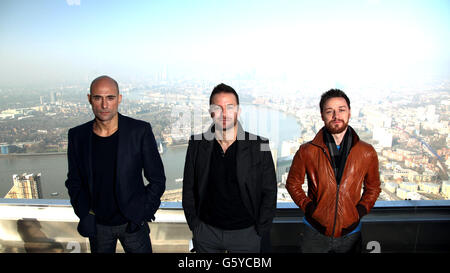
pixel 104 77
pixel 333 93
pixel 223 88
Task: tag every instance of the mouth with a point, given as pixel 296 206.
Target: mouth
pixel 224 122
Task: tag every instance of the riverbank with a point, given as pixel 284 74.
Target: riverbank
pixel 33 154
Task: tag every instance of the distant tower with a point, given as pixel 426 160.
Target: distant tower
pixel 52 97
pixel 58 98
pixel 26 186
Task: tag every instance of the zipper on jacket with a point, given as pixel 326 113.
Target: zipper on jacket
pixel 336 210
pixel 337 191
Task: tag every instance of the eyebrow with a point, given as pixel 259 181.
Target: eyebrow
pixel 99 96
pixel 341 106
pixel 224 104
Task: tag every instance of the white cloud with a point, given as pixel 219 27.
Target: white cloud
pixel 73 2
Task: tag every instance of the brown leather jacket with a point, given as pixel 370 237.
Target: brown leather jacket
pixel 334 210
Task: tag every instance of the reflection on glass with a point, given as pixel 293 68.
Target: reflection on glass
pixel 35 241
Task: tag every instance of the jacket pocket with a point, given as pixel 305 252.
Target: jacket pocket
pixel 353 218
pixel 87 226
pixel 350 212
pixel 350 228
pixel 309 211
pixel 150 209
pixel 316 225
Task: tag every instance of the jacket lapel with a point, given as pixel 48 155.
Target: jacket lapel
pixel 242 159
pixel 243 162
pixel 204 159
pixel 318 141
pixel 123 130
pixel 88 160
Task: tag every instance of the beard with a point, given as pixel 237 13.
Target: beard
pixel 227 126
pixel 336 128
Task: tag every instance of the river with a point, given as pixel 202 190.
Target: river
pixel 269 123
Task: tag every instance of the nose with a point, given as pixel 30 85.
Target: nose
pixel 104 103
pixel 334 116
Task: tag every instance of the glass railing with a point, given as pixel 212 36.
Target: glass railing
pixel 49 226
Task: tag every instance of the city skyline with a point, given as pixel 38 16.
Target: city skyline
pixel 293 45
pixel 409 133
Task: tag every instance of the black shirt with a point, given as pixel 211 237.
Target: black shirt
pixel 223 206
pixel 104 158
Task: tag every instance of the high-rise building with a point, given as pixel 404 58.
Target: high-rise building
pixel 52 97
pixel 26 186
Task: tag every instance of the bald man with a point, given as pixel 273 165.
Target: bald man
pixel 106 158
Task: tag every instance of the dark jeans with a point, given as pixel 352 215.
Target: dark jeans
pixel 209 239
pixel 315 242
pixel 106 239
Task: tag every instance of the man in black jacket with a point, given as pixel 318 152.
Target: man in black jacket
pixel 106 157
pixel 229 184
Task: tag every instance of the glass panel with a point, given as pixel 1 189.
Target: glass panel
pixel 390 57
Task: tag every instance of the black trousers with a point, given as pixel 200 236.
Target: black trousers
pixel 107 236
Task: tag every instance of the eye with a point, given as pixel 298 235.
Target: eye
pixel 231 107
pixel 215 108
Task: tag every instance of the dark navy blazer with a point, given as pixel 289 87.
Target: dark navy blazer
pixel 137 151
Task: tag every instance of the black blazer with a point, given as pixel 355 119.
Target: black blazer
pixel 137 151
pixel 255 173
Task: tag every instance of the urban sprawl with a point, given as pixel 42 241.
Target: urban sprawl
pixel 409 133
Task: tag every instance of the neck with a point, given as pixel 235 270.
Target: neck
pixel 106 127
pixel 226 137
pixel 338 137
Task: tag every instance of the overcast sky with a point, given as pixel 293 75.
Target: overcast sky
pixel 314 43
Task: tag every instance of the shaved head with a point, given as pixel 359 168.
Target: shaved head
pixel 104 80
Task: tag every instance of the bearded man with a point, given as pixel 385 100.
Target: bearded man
pixel 337 165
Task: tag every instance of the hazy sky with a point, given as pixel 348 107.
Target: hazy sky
pixel 381 42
